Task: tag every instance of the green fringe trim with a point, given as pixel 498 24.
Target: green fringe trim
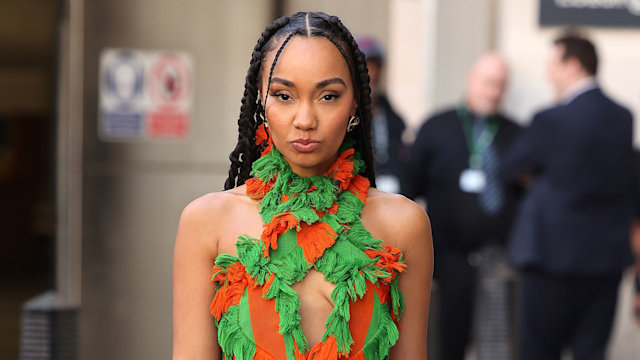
pixel 397 300
pixel 387 335
pixel 350 280
pixel 338 321
pixel 344 264
pixel 232 339
pixel 290 184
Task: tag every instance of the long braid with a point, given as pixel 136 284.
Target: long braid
pixel 252 111
pixel 273 67
pixel 362 133
pixel 246 150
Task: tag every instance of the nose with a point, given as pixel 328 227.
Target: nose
pixel 305 117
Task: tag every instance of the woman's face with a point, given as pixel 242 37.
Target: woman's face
pixel 309 104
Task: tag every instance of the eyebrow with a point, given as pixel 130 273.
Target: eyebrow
pixel 319 85
pixel 283 82
pixel 335 80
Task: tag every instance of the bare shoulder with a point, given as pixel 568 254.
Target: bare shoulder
pixel 394 205
pixel 202 229
pixel 403 224
pixel 395 219
pixel 208 208
pixel 203 219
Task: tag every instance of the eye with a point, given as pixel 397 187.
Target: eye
pixel 282 96
pixel 330 97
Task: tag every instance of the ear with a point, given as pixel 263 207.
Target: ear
pixel 574 65
pixel 354 107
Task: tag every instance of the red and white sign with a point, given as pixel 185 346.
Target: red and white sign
pixel 159 90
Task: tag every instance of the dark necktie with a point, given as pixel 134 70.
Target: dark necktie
pixel 491 198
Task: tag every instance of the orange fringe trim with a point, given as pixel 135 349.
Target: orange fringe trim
pixel 261 134
pixel 359 186
pixel 257 189
pixel 342 169
pixel 332 210
pixel 388 260
pixel 233 283
pixel 276 227
pixel 315 239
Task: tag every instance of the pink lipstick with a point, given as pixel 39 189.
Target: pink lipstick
pixel 305 145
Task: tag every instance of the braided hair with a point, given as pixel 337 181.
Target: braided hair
pixel 308 24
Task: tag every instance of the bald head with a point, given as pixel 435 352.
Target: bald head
pixel 486 84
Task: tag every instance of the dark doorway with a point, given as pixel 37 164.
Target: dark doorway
pixel 28 33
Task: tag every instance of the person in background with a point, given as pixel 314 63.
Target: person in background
pixel 571 237
pixel 635 241
pixel 454 167
pixel 636 250
pixel 390 153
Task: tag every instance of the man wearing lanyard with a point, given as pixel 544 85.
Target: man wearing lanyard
pixel 454 168
pixel 571 236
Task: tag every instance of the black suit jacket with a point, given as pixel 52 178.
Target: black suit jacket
pixel 396 162
pixel 438 157
pixel 576 216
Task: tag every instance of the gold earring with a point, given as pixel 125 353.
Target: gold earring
pixel 353 121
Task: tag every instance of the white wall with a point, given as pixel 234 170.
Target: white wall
pixel 432 43
pixel 359 16
pixel 527 47
pixel 410 66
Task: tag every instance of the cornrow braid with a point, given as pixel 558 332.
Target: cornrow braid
pixel 360 74
pixel 246 150
pixel 273 66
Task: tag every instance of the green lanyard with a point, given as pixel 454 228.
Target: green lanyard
pixel 477 146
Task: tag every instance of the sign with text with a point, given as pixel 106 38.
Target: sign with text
pixel 606 13
pixel 144 94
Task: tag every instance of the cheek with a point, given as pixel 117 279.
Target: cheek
pixel 278 113
pixel 338 118
pixel 339 123
pixel 277 122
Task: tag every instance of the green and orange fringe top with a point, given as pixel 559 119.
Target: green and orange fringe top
pixel 310 222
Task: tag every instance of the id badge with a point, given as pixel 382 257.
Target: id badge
pixel 473 181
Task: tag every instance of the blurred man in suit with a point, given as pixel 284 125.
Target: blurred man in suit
pixel 454 167
pixel 571 237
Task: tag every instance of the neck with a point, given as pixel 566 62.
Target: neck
pixel 318 170
pixel 576 87
pixel 476 112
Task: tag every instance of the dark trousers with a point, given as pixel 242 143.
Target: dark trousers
pixel 559 311
pixel 456 289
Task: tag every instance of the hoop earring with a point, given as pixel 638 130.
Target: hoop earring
pixel 353 121
pixel 262 115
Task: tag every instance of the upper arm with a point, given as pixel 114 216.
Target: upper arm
pixel 414 240
pixel 194 332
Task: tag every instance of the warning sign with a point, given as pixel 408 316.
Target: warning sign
pixel 145 95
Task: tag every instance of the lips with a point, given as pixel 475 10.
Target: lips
pixel 305 145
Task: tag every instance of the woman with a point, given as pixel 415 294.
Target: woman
pixel 299 272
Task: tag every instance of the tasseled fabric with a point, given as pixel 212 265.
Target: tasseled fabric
pixel 324 212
